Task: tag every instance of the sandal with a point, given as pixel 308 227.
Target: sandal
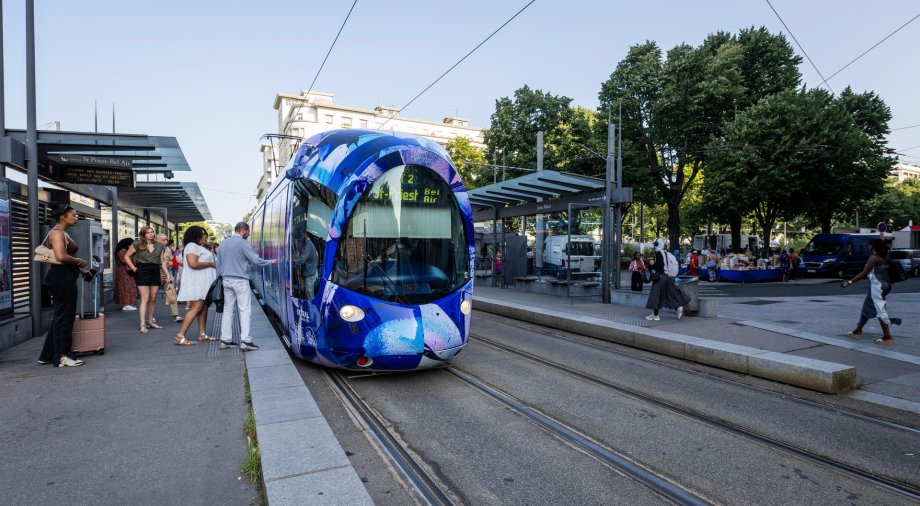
pixel 154 325
pixel 144 329
pixel 177 319
pixel 854 335
pixel 205 337
pixel 886 342
pixel 182 341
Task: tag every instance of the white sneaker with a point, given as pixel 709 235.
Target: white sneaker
pixel 69 362
pixel 680 312
pixel 653 318
pixel 129 307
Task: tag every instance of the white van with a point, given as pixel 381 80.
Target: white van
pixel 581 251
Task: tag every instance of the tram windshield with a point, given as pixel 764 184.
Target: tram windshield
pixel 405 241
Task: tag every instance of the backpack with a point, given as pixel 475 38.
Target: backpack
pixel 670 264
pixel 896 272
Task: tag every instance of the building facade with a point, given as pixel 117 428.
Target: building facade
pixel 904 171
pixel 304 115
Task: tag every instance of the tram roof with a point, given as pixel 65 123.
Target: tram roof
pixel 546 184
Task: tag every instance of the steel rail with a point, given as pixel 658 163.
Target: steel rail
pixel 840 467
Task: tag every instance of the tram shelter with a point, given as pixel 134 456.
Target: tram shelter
pixel 527 228
pixel 121 181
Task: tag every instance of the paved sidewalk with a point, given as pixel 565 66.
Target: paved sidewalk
pixel 148 422
pixel 888 376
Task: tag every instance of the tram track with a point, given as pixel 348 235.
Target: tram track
pixel 425 486
pixel 428 487
pixel 902 489
pixel 754 388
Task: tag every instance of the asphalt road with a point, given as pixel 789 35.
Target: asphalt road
pixel 484 453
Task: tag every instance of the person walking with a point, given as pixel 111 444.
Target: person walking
pixel 150 260
pixel 713 264
pixel 198 273
pixel 795 261
pixel 168 285
pixel 874 305
pixel 236 259
pixel 693 264
pixel 664 292
pixel 785 264
pixel 62 282
pixel 637 267
pixel 125 289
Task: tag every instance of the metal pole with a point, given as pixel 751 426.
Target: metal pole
pixel 538 222
pixel 605 221
pixel 35 294
pixel 114 193
pixel 619 222
pixel 641 223
pixel 494 242
pixel 2 92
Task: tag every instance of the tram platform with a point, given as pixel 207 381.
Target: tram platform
pixel 149 422
pixel 746 343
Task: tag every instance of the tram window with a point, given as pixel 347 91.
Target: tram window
pixel 311 212
pixel 405 239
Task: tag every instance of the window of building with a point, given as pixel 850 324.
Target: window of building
pixel 328 119
pixel 363 123
pixel 346 122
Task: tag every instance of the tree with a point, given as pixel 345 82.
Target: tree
pixel 897 205
pixel 752 65
pixel 470 162
pixel 670 114
pixel 212 237
pixel 857 125
pixel 512 136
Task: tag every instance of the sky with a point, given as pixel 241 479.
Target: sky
pixel 207 72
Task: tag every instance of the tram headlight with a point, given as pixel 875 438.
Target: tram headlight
pixel 466 306
pixel 351 313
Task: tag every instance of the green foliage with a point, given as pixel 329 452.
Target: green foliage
pixel 567 133
pixel 212 237
pixel 897 205
pixel 469 161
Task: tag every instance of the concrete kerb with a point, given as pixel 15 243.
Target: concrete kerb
pixel 302 461
pixel 818 375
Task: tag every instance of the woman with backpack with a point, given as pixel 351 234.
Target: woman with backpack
pixel 877 272
pixel 664 292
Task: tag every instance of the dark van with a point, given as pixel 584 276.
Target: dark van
pixel 836 254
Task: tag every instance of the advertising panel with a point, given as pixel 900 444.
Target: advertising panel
pixel 6 253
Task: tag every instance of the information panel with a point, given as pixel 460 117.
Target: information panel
pixel 6 253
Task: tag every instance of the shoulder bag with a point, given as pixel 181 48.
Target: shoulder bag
pixel 44 254
pixel 215 295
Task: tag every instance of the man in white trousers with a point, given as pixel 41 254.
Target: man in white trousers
pixel 233 265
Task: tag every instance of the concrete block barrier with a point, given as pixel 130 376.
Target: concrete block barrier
pixel 818 375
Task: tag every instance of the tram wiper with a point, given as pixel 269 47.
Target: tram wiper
pixel 368 260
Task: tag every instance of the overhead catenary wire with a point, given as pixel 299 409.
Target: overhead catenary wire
pixel 824 81
pixel 904 128
pixel 303 99
pixel 452 67
pixel 870 49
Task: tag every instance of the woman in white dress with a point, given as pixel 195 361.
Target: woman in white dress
pixel 199 270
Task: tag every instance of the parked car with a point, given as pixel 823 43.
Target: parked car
pixel 909 260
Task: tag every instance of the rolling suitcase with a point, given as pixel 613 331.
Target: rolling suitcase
pixel 89 326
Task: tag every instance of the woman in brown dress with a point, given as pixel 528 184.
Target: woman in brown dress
pixel 125 289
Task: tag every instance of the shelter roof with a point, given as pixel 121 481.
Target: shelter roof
pixel 184 201
pixel 546 184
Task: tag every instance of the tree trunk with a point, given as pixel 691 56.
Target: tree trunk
pixel 673 225
pixel 734 222
pixel 825 222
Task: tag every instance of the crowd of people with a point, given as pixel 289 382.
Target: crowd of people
pixel 145 266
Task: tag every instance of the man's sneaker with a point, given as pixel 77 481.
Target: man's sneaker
pixel 69 362
pixel 653 318
pixel 129 307
pixel 44 362
pixel 680 312
pixel 224 344
pixel 248 346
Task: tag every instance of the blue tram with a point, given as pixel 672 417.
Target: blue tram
pixel 374 239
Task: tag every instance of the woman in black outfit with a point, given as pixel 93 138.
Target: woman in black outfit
pixel 62 282
pixel 664 292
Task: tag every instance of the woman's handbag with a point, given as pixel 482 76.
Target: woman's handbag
pixel 45 254
pixel 646 276
pixel 171 296
pixel 653 276
pixel 215 295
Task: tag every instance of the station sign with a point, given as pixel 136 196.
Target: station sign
pixel 91 169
